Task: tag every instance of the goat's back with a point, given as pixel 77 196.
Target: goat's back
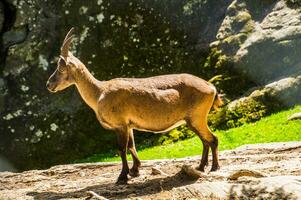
pixel 153 103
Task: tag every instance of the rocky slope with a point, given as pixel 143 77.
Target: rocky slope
pixel 261 171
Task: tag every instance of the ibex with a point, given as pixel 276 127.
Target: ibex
pixel 155 104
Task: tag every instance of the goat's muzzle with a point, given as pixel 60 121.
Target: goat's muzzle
pixel 50 87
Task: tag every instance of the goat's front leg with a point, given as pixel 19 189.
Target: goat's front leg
pixel 122 138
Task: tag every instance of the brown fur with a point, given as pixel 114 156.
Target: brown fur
pixel 155 104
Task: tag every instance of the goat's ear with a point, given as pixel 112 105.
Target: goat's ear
pixel 62 61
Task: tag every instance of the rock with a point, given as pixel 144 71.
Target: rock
pixel 157 171
pixel 286 91
pixel 268 147
pixel 191 172
pixel 261 102
pixel 93 195
pixel 278 187
pixel 266 27
pixel 295 116
pixel 260 41
pixel 205 190
pixel 13 37
pixel 245 172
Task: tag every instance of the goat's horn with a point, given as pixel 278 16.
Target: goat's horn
pixel 67 42
pixel 70 32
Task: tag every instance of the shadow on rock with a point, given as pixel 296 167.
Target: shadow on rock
pixel 111 190
pixel 246 192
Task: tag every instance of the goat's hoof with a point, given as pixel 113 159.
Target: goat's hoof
pixel 214 168
pixel 122 180
pixel 134 173
pixel 200 168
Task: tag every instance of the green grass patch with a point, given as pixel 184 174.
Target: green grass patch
pixel 274 128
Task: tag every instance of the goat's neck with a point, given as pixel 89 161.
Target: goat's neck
pixel 88 86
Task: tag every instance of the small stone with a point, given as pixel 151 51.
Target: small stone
pixel 295 116
pixel 191 172
pixel 245 172
pixel 157 171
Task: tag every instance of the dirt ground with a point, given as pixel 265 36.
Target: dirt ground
pixel 261 171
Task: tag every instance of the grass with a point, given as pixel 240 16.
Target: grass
pixel 274 128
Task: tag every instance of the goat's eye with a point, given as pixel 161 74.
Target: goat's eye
pixel 61 69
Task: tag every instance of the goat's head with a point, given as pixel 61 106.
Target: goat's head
pixel 62 76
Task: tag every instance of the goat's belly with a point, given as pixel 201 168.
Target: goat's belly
pixel 159 128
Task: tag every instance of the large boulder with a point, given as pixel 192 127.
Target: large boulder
pixel 259 103
pixel 262 38
pixel 261 42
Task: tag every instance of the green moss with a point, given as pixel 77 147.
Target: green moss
pixel 235 40
pixel 177 134
pixel 219 64
pixel 215 59
pixel 232 43
pixel 245 111
pixel 242 17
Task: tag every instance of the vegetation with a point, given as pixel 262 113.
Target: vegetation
pixel 217 63
pixel 274 128
pixel 246 110
pixel 294 2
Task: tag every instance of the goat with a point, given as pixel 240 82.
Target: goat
pixel 155 104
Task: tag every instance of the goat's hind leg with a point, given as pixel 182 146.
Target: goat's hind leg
pixel 204 161
pixel 134 171
pixel 208 140
pixel 214 149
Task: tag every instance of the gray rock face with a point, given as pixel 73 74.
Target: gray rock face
pixel 264 38
pixel 287 91
pixel 277 37
pixel 263 41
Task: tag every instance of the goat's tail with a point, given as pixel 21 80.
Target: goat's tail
pixel 217 101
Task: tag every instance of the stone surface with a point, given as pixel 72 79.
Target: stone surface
pixel 279 162
pixel 295 116
pixel 264 39
pixel 286 92
pixel 260 41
